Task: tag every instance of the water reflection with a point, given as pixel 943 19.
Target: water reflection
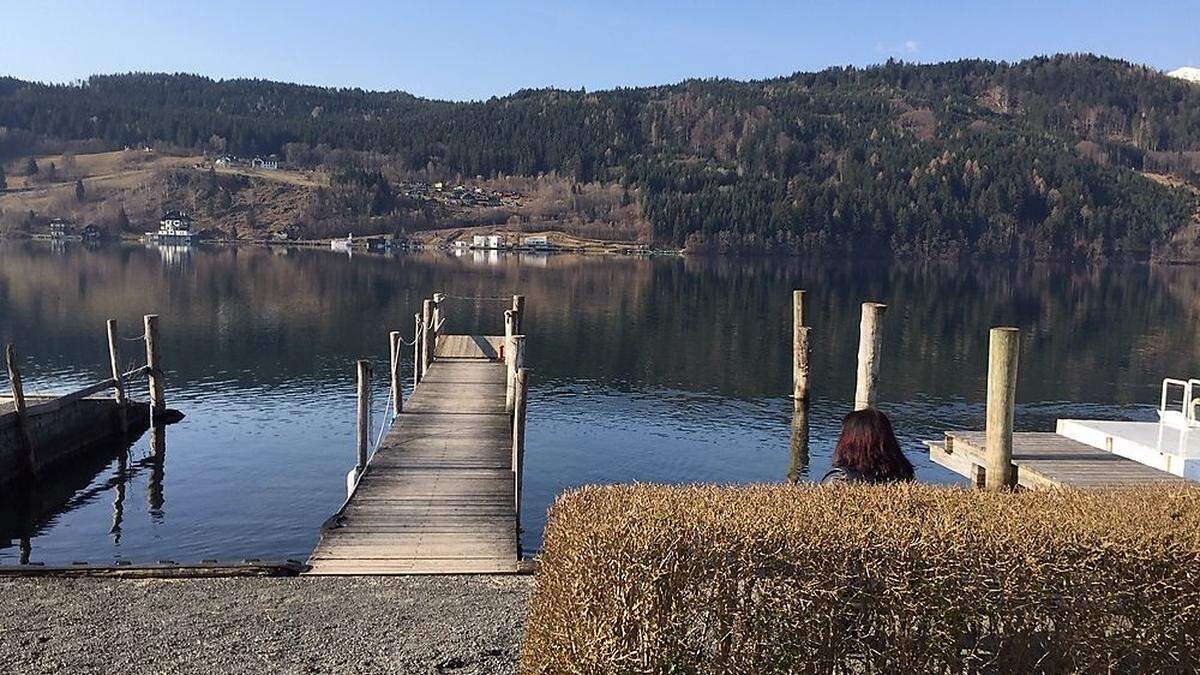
pixel 651 369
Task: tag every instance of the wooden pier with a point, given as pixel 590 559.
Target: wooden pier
pixel 441 493
pixel 1045 460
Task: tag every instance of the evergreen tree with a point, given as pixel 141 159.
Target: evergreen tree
pixel 122 223
pixel 52 173
pixel 31 167
pixel 3 179
pixel 80 195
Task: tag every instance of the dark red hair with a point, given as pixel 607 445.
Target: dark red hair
pixel 869 446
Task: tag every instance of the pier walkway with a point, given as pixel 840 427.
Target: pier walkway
pixel 440 494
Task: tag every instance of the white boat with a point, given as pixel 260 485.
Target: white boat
pixel 1171 444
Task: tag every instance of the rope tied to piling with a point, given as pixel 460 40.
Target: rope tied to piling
pixel 135 339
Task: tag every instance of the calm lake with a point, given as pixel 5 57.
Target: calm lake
pixel 660 370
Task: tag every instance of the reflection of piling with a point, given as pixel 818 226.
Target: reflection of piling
pixel 799 444
pixel 870 344
pixel 158 463
pixel 1003 348
pixel 119 499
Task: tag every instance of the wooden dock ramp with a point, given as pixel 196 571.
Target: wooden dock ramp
pixel 1046 460
pixel 440 494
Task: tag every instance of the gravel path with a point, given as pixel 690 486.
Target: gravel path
pixel 435 624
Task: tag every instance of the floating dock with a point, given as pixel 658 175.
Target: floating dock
pixel 440 495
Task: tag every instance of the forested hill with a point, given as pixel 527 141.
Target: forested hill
pixel 1052 157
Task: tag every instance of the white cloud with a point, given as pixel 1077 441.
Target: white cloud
pixel 911 46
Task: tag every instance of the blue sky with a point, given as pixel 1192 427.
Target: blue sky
pixel 470 50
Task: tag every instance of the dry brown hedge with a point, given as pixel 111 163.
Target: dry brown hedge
pixel 907 578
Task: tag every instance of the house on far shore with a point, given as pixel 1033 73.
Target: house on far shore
pixel 92 232
pixel 537 242
pixel 59 228
pixel 268 163
pixel 174 228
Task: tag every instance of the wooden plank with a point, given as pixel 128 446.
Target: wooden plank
pixel 438 494
pixel 1046 459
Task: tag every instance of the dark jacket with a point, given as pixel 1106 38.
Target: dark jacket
pixel 847 474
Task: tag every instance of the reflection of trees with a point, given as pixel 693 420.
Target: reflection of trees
pixel 693 324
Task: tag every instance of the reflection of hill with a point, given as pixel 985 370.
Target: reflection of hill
pixel 694 324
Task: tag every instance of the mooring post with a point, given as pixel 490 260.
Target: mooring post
pixel 518 308
pixel 18 395
pixel 518 448
pixel 118 384
pixel 364 412
pixel 800 351
pixel 1004 345
pixel 153 366
pixel 509 331
pixel 515 359
pixel 870 344
pixel 427 336
pixel 416 350
pixel 394 351
pixel 437 311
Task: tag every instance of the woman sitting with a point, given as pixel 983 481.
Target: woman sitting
pixel 868 452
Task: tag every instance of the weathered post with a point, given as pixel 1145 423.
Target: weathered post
pixel 515 359
pixel 518 308
pixel 416 349
pixel 118 384
pixel 509 330
pixel 158 402
pixel 394 351
pixel 870 344
pixel 800 351
pixel 364 412
pixel 437 311
pixel 518 437
pixel 427 336
pixel 1003 348
pixel 18 395
pixel 799 443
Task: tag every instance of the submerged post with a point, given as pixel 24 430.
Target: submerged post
pixel 427 335
pixel 518 438
pixel 118 384
pixel 800 351
pixel 364 412
pixel 157 401
pixel 1003 348
pixel 416 349
pixel 870 344
pixel 518 309
pixel 515 360
pixel 394 351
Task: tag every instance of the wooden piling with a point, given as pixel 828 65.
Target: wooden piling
pixel 19 405
pixel 1003 350
pixel 416 350
pixel 521 390
pixel 397 392
pixel 870 344
pixel 437 311
pixel 158 401
pixel 364 412
pixel 118 380
pixel 515 360
pixel 427 335
pixel 509 328
pixel 518 308
pixel 800 351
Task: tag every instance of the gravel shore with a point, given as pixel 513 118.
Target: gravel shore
pixel 431 624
